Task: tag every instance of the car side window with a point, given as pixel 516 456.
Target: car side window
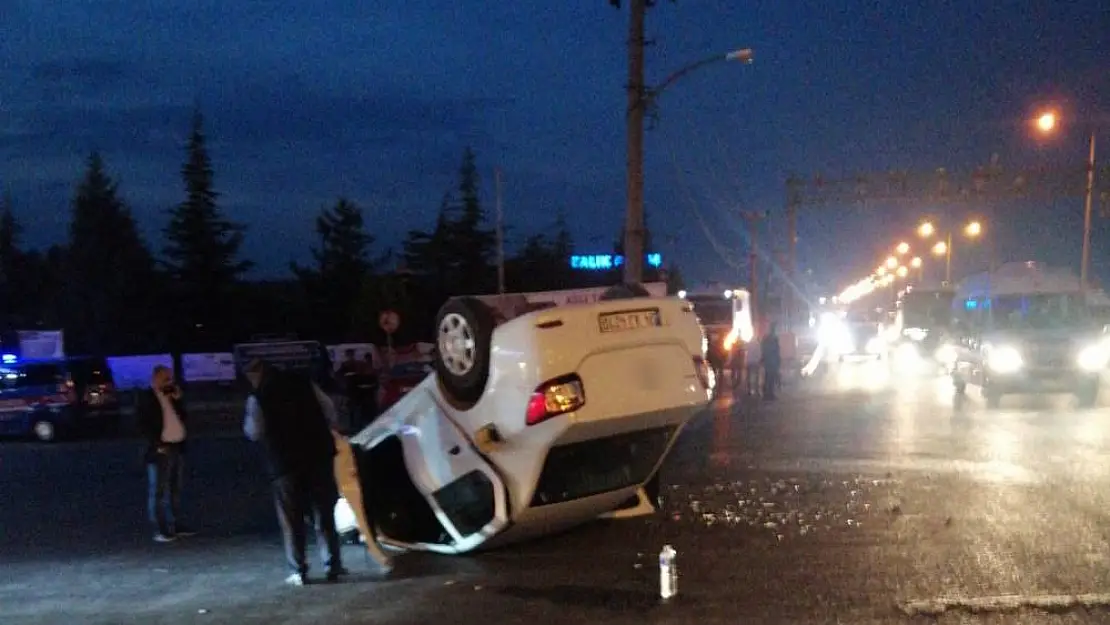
pixel 40 375
pixel 9 378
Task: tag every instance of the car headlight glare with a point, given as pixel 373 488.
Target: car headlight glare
pixel 946 354
pixel 874 345
pixel 1094 358
pixel 1004 359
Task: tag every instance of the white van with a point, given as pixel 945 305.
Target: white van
pixel 1027 328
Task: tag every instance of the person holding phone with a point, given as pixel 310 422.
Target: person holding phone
pixel 161 419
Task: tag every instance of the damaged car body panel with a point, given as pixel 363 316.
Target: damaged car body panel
pixel 570 419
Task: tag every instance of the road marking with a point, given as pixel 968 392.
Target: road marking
pixel 1003 603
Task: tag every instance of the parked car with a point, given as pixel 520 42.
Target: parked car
pixel 50 398
pixel 399 380
pixel 548 420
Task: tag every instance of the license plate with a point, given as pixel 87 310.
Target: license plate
pixel 628 320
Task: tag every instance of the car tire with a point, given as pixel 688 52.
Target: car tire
pixel 624 290
pixel 44 431
pixel 1087 395
pixel 464 331
pixel 993 398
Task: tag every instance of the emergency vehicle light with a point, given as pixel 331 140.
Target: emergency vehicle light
pixel 9 359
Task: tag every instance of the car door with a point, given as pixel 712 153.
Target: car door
pixel 464 490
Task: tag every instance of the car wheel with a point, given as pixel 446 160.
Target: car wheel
pixel 44 431
pixel 464 330
pixel 1087 395
pixel 993 398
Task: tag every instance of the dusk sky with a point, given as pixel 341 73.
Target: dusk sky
pixel 376 100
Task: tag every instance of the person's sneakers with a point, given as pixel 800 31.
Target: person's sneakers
pixel 161 537
pixel 296 579
pixel 335 573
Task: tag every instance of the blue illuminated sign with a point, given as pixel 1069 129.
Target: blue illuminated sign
pixel 601 262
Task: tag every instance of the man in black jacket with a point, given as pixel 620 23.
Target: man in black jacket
pixel 293 420
pixel 161 419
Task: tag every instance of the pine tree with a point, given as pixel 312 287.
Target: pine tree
pixel 471 242
pixel 342 265
pixel 202 246
pixel 108 268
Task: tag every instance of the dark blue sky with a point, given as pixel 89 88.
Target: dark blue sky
pixel 376 100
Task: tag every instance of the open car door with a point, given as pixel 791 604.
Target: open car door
pixel 424 485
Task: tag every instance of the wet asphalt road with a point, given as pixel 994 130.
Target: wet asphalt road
pixel 856 498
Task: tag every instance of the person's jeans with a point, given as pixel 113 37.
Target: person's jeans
pixel 164 478
pixel 297 495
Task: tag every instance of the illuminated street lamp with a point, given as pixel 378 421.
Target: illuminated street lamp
pixel 971 230
pixel 891 262
pixel 903 272
pixel 916 263
pixel 1046 123
pixel 881 271
pixel 903 248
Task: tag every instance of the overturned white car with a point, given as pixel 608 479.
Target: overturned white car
pixel 548 420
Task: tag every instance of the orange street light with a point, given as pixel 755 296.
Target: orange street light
pixel 902 272
pixel 926 230
pixel 941 248
pixel 973 229
pixel 903 248
pixel 916 262
pixel 891 262
pixel 1046 122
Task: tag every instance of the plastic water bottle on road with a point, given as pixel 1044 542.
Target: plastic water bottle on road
pixel 668 572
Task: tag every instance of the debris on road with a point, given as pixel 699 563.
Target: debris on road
pixel 791 506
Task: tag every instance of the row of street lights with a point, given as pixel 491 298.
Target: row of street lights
pixel 897 266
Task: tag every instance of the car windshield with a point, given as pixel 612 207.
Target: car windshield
pixel 1042 312
pixel 713 310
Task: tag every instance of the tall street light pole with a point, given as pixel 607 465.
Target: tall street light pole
pixel 639 99
pixel 1046 123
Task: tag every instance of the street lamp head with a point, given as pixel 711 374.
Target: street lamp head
pixel 1046 122
pixel 916 262
pixel 902 271
pixel 881 271
pixel 903 248
pixel 940 249
pixel 745 56
pixel 974 229
pixel 926 230
pixel 891 262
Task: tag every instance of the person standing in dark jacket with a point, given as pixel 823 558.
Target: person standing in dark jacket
pixel 161 419
pixel 294 421
pixel 772 362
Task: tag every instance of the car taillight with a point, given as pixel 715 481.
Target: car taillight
pixel 553 398
pixel 702 369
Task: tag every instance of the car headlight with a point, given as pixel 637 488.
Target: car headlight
pixel 1094 358
pixel 1004 359
pixel 946 354
pixel 915 334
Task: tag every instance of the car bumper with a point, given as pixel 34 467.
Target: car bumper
pixel 1036 381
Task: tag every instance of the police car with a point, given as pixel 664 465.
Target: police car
pixel 49 398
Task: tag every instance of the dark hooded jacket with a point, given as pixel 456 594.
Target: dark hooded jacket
pixel 296 434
